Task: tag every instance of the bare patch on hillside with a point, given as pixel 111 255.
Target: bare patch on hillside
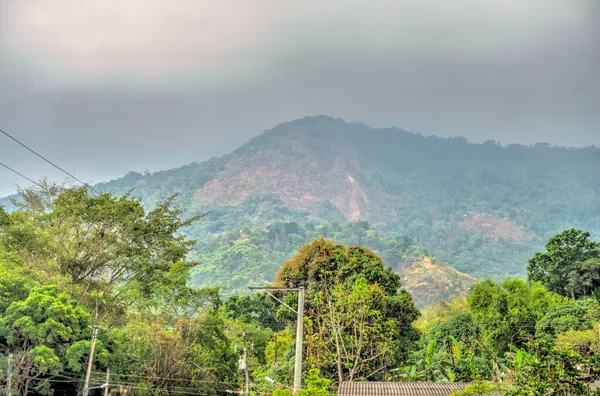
pixel 493 227
pixel 301 183
pixel 430 280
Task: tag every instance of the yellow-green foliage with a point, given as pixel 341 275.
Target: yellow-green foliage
pixel 583 342
pixel 479 388
pixel 285 338
pixel 437 314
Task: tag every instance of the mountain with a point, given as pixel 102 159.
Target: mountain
pixel 468 210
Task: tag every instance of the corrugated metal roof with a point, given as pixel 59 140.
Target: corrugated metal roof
pixel 401 388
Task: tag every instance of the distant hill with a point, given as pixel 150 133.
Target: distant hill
pixel 483 209
pixel 7 203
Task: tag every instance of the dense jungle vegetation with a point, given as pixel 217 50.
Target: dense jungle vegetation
pixel 70 260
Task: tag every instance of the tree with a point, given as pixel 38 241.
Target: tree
pixel 435 315
pixel 460 328
pixel 256 308
pixel 107 248
pixel 14 286
pixel 507 313
pixel 44 331
pixel 584 279
pixel 359 320
pixel 316 385
pixel 173 351
pixel 583 342
pixel 562 267
pixel 348 332
pixel 563 317
pixel 542 369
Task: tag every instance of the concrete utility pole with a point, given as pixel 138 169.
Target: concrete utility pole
pixel 107 379
pixel 299 328
pixel 299 334
pixel 90 361
pixel 244 361
pixel 9 373
pixel 247 375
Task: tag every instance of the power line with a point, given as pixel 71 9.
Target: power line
pixel 50 162
pixel 149 377
pixel 23 176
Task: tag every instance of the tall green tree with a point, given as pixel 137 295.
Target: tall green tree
pixel 109 250
pixel 569 264
pixel 359 321
pixel 506 314
pixel 44 332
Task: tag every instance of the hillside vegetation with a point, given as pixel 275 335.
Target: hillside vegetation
pixel 70 261
pixel 483 209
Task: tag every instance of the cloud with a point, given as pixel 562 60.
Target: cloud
pixel 132 38
pixel 106 86
pixel 151 39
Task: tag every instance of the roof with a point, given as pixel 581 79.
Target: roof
pixel 402 388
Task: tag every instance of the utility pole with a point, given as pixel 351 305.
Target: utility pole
pixel 90 361
pixel 299 334
pixel 9 379
pixel 299 328
pixel 246 366
pixel 107 381
pixel 244 361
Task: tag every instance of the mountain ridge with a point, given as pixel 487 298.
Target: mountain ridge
pixel 482 208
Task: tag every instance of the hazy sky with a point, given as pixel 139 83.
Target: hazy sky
pixel 107 86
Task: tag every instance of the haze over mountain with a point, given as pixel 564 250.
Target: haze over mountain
pixel 103 87
pixel 482 209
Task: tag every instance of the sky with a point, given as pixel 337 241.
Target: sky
pixel 103 87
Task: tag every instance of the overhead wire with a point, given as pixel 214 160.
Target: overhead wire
pixel 99 378
pixel 23 176
pixel 168 391
pixel 48 161
pixel 169 378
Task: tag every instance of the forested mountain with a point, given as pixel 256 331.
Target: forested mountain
pixel 482 208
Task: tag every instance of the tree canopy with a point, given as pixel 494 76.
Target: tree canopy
pixel 359 320
pixel 570 264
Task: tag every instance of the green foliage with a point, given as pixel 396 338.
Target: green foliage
pixel 570 264
pixel 358 318
pixel 102 243
pixel 507 314
pixel 195 353
pixel 450 360
pixel 479 388
pixel 13 287
pixel 563 317
pixel 584 342
pixel 323 263
pixel 315 385
pixel 459 328
pixel 544 370
pixel 518 332
pixel 130 268
pixel 42 331
pixel 483 208
pixel 435 315
pixel 65 254
pixel 256 308
pixel 251 255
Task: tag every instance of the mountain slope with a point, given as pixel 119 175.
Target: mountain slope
pixel 482 208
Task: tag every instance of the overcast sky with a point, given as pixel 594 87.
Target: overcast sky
pixel 107 86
